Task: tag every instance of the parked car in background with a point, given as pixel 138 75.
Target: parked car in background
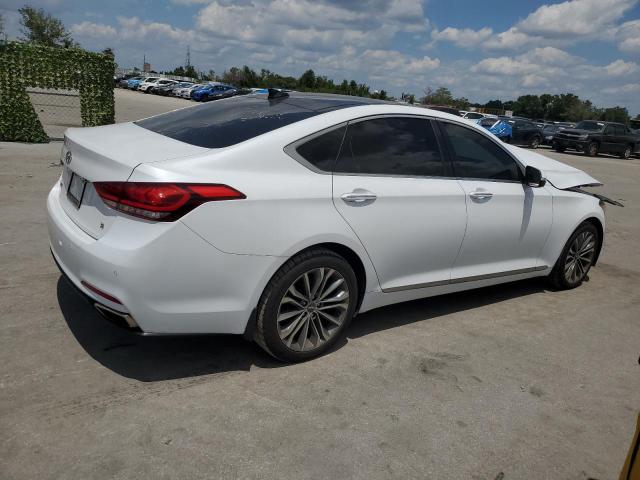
pixel 185 92
pixel 592 137
pixel 525 132
pixel 473 115
pixel 445 108
pixel 182 225
pixel 134 83
pixel 565 124
pixel 121 80
pixel 213 92
pixel 148 86
pixel 548 132
pixel 498 127
pixel 169 89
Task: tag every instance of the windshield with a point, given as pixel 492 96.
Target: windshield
pixel 586 125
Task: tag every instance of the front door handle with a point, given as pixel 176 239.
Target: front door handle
pixel 359 197
pixel 481 195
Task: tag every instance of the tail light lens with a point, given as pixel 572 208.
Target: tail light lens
pixel 161 201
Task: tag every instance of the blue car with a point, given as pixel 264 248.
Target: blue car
pixel 499 128
pixel 213 92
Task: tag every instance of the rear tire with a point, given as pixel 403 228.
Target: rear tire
pixel 306 306
pixel 576 258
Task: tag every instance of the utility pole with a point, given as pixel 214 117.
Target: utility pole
pixel 188 62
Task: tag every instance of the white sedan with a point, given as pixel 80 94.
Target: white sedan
pixel 282 216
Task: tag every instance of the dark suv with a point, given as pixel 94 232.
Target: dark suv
pixel 593 137
pixel 525 132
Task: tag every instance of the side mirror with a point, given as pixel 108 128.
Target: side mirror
pixel 533 177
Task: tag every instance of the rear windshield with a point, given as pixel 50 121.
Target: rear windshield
pixel 223 123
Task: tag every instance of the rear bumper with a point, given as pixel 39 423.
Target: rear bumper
pixel 166 277
pixel 121 319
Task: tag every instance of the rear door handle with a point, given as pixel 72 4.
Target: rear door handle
pixel 481 195
pixel 359 197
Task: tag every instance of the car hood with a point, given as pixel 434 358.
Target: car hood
pixel 560 175
pixel 577 131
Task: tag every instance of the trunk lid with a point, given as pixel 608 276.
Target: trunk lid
pixel 108 153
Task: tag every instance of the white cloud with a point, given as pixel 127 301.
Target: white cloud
pixel 628 37
pixel 510 39
pixel 90 29
pixel 626 88
pixel 575 17
pixel 558 24
pixel 463 37
pixel 535 65
pixel 620 67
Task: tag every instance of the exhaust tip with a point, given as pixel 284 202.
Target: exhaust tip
pixel 123 320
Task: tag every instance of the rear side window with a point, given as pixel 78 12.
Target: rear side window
pixel 391 146
pixel 322 150
pixel 476 156
pixel 226 122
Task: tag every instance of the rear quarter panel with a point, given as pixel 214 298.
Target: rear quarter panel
pixel 287 206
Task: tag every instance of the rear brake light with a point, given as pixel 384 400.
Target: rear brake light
pixel 161 201
pixel 97 291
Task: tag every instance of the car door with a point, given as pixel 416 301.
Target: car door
pixel 507 221
pixel 394 188
pixel 608 143
pixel 620 140
pixel 518 132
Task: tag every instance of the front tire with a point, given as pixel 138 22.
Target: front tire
pixel 591 150
pixel 576 258
pixel 306 306
pixel 535 142
pixel 626 153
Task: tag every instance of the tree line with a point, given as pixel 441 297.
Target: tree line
pixel 559 107
pixel 39 26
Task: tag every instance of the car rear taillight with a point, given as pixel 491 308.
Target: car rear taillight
pixel 162 201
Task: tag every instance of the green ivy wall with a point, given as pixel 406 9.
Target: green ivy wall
pixel 30 65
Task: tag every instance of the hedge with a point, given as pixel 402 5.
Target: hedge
pixel 32 65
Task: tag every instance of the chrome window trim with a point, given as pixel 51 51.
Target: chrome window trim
pixel 290 149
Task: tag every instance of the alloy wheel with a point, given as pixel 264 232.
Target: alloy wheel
pixel 580 257
pixel 313 309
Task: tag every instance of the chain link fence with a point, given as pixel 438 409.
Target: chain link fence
pixel 57 110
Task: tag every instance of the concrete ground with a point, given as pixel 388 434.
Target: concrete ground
pixel 512 382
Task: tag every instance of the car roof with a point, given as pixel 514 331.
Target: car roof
pixel 320 102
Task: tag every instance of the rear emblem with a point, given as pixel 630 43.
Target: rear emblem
pixel 67 158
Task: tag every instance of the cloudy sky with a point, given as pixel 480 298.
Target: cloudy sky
pixel 479 49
